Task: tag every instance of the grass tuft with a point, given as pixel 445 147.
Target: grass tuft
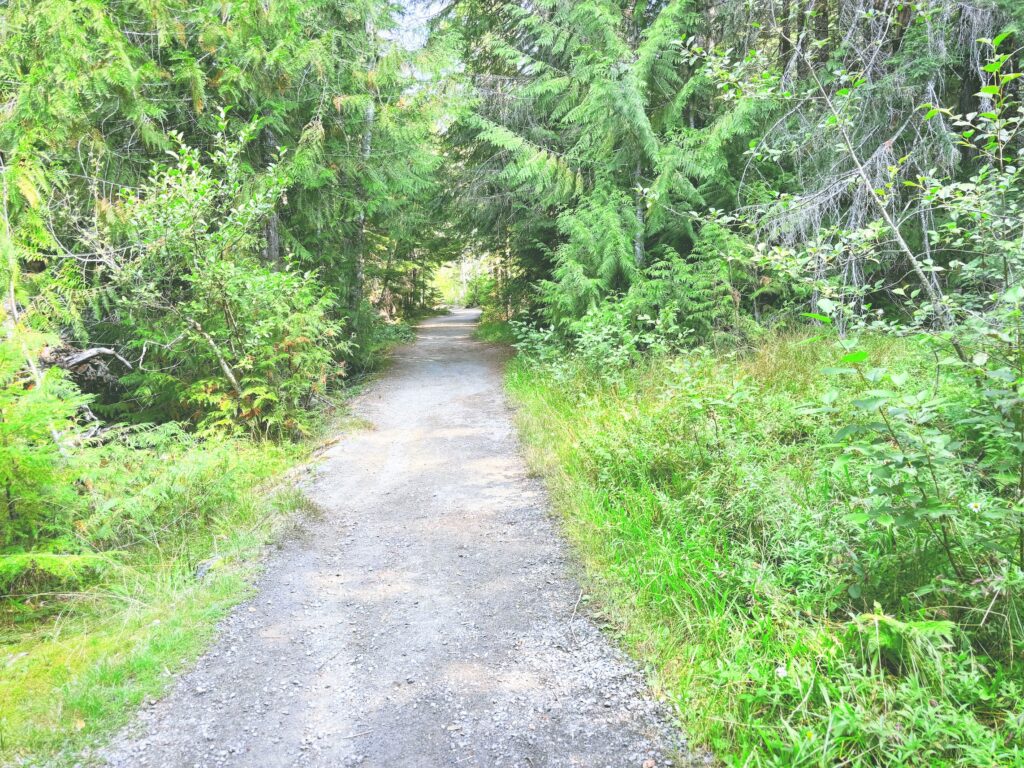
pixel 495 332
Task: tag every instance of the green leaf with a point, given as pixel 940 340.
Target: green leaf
pixel 855 357
pixel 1014 295
pixel 820 318
pixel 1001 374
pixel 848 431
pixel 871 403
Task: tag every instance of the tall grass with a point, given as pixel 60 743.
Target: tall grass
pixel 700 491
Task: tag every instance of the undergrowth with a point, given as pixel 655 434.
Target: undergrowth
pixel 495 332
pixel 81 649
pixel 735 538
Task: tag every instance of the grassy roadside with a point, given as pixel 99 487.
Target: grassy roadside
pixel 76 665
pixel 495 332
pixel 699 493
pixel 80 653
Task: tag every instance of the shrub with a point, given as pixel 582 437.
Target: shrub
pixel 37 423
pixel 224 340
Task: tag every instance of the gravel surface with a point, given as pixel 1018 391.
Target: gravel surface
pixel 429 619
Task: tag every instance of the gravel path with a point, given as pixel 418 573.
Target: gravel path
pixel 429 619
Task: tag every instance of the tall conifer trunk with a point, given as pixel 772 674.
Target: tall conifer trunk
pixel 369 118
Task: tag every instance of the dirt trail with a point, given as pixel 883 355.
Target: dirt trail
pixel 428 620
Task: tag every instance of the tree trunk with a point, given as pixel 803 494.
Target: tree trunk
pixel 272 244
pixel 271 232
pixel 803 63
pixel 359 275
pixel 369 118
pixel 221 360
pixel 786 38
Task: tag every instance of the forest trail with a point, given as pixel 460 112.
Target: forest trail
pixel 428 619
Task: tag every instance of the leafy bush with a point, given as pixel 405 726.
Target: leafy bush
pixel 224 339
pixel 371 337
pixel 37 419
pixel 931 475
pixel 481 291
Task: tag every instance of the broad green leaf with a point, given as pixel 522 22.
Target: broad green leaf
pixel 871 403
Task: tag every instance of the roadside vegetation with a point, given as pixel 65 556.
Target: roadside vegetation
pixel 794 613
pixel 495 332
pixel 86 644
pixel 204 241
pixel 763 263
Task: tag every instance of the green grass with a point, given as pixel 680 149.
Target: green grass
pixel 698 491
pixel 75 664
pixel 495 332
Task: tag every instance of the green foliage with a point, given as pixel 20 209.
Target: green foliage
pixel 817 539
pixel 654 125
pixel 745 550
pixel 495 332
pixel 180 200
pixel 228 280
pixel 37 423
pixel 375 338
pixel 144 487
pixel 24 573
pixel 245 345
pixel 909 469
pixel 235 206
pixel 481 291
pixel 96 632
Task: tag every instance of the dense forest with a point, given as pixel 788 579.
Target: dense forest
pixel 761 262
pixel 203 225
